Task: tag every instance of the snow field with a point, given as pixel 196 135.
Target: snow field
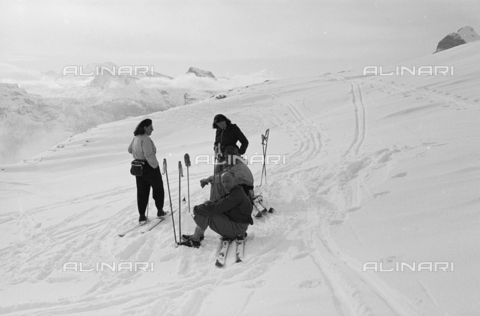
pixel 377 170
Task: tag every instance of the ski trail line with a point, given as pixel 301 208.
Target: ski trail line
pixel 363 121
pixel 360 119
pixel 308 130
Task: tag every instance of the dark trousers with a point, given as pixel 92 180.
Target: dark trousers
pixel 222 225
pixel 150 178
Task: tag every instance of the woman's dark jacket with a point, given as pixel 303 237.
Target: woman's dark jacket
pixel 229 137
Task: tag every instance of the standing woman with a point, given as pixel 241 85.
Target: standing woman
pixel 142 148
pixel 227 134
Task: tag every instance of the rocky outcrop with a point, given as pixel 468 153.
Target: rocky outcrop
pixel 463 36
pixel 449 41
pixel 200 73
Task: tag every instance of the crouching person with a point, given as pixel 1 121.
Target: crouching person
pixel 229 217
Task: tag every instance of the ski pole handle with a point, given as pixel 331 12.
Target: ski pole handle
pixel 180 169
pixel 164 166
pixel 265 137
pixel 187 160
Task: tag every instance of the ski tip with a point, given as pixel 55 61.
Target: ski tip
pixel 271 210
pixel 259 214
pixel 219 264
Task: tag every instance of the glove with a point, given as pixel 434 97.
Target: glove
pixel 218 152
pixel 203 182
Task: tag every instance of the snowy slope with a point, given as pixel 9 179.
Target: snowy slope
pixel 378 169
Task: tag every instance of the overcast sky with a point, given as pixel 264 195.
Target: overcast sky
pixel 289 38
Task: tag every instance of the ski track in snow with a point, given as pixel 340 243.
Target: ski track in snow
pixel 349 286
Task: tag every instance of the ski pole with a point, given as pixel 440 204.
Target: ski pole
pixel 218 188
pixel 170 198
pixel 214 174
pixel 264 147
pixel 187 164
pixel 267 132
pixel 180 175
pixel 214 161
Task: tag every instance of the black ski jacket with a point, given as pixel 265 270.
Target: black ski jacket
pixel 229 137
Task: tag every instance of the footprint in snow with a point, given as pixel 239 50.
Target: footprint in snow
pixel 310 284
pixel 300 255
pixel 337 222
pixel 354 209
pixel 381 193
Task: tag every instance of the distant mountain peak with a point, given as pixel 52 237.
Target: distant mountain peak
pixel 464 35
pixel 11 86
pixel 200 73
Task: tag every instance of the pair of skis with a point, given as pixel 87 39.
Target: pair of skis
pixel 261 207
pixel 225 245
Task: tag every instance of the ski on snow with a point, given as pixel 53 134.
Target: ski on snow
pixel 239 251
pixel 130 230
pixel 260 207
pixel 222 255
pixel 152 224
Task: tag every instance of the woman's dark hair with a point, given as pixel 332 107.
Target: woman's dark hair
pixel 220 118
pixel 140 130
